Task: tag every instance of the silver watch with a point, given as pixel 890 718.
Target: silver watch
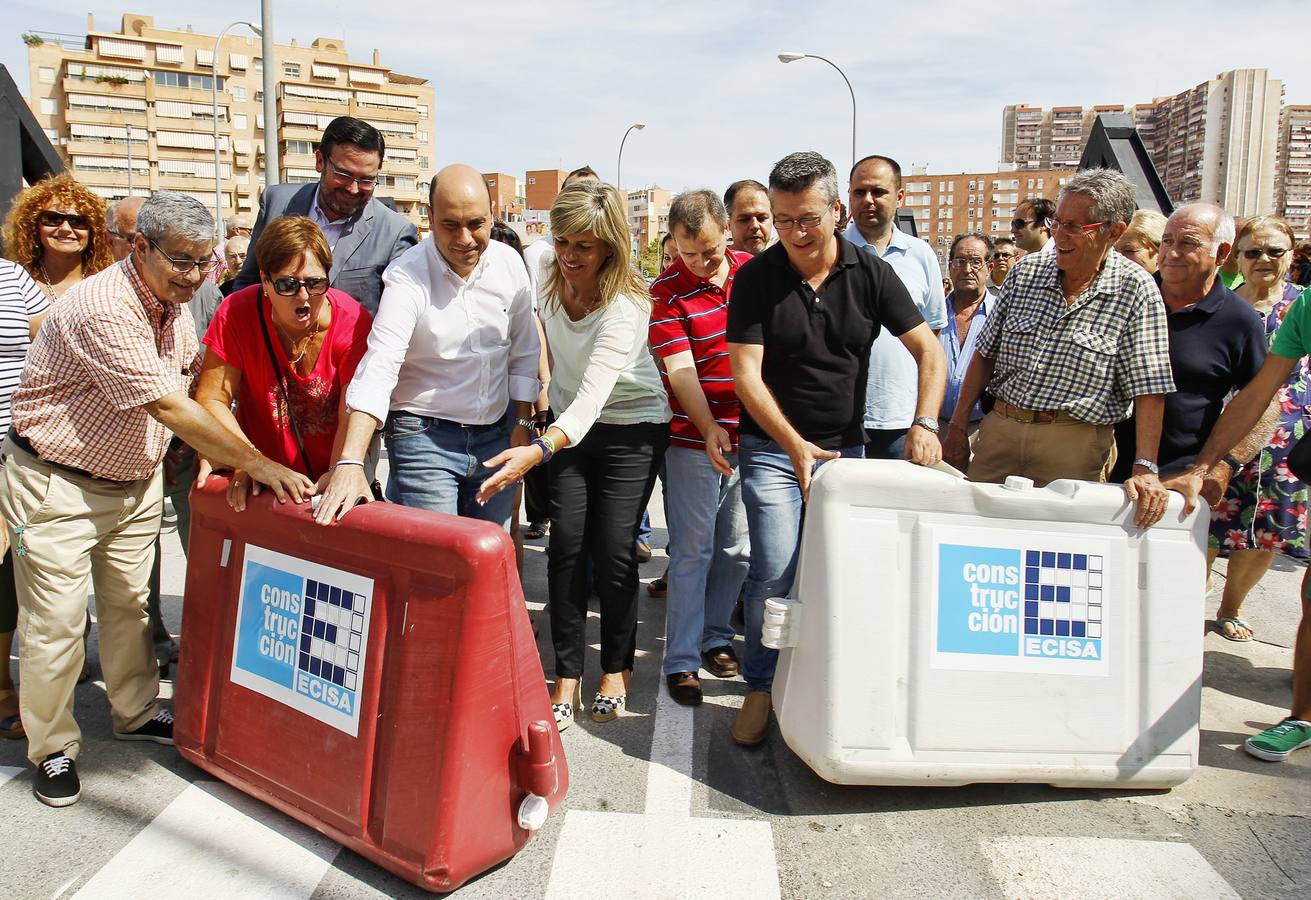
pixel 927 422
pixel 1148 465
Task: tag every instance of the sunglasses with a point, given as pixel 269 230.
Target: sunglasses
pixel 51 219
pixel 1021 223
pixel 290 287
pixel 1258 252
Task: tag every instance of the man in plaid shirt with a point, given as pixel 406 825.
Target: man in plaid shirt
pixel 1077 340
pixel 107 379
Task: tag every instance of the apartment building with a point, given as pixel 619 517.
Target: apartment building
pixel 132 111
pixel 1293 171
pixel 508 200
pixel 541 186
pixel 947 205
pixel 648 214
pixel 1216 141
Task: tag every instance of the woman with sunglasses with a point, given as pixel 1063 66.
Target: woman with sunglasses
pixel 56 231
pixel 284 349
pixel 1263 511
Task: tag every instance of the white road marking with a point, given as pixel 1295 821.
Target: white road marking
pixel 8 772
pixel 1038 868
pixel 215 842
pixel 669 774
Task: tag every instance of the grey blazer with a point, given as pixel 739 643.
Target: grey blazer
pixel 376 237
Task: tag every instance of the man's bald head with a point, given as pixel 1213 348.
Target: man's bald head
pixel 461 216
pixel 123 225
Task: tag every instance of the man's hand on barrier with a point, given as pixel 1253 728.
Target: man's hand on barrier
pixel 1146 490
pixel 346 486
pixel 804 460
pixel 922 446
pixel 282 481
pixel 718 446
pixel 514 464
pixel 1216 483
pixel 956 448
pixel 1189 483
pixel 204 469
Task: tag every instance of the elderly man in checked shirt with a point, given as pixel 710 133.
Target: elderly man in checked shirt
pixel 107 379
pixel 1077 340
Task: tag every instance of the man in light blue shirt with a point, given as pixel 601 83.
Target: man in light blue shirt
pixel 969 266
pixel 874 193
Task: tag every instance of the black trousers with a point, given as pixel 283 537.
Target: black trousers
pixel 598 492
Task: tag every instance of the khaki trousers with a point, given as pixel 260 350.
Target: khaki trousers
pixel 64 530
pixel 1043 451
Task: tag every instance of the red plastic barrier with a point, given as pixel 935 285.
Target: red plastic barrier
pixel 376 679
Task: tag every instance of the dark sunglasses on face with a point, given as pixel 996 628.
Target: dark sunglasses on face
pixel 51 219
pixel 1258 252
pixel 290 287
pixel 1020 223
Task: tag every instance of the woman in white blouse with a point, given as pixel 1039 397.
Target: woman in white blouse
pixel 609 436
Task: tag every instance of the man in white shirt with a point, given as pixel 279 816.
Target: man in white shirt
pixel 451 369
pixel 874 193
pixel 1029 227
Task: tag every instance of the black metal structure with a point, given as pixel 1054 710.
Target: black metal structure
pixel 906 222
pixel 26 154
pixel 1115 144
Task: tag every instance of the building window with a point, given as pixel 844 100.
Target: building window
pixel 423 162
pixel 47 106
pixel 46 75
pixel 240 122
pixel 423 110
pixel 304 148
pixel 238 93
pixel 532 180
pixel 259 98
pixel 186 80
pixel 291 70
pixel 423 137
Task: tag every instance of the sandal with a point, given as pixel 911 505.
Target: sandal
pixel 11 726
pixel 1233 622
pixel 607 709
pixel 564 712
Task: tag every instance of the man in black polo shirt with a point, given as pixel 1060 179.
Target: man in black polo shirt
pixel 801 321
pixel 1217 342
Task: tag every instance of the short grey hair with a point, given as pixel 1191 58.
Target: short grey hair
pixel 690 209
pixel 799 172
pixel 1114 196
pixel 169 214
pixel 989 246
pixel 1222 232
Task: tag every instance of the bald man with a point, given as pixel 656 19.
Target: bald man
pixel 122 219
pixel 451 370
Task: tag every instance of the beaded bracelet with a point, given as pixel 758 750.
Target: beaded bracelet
pixel 547 446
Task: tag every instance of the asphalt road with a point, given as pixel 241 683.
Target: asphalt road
pixel 663 804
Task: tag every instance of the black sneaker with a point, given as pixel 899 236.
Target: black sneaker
pixel 159 729
pixel 57 783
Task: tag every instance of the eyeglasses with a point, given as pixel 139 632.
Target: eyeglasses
pixel 184 266
pixel 1258 252
pixel 239 257
pixel 346 179
pixel 120 235
pixel 290 287
pixel 1021 223
pixel 967 262
pixel 806 222
pixel 51 219
pixel 1054 225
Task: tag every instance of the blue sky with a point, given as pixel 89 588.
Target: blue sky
pixel 523 84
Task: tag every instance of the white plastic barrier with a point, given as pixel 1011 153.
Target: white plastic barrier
pixel 957 633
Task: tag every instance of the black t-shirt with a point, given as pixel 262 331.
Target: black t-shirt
pixel 1216 346
pixel 817 343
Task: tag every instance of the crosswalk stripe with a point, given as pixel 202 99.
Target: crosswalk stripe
pixel 1038 868
pixel 213 841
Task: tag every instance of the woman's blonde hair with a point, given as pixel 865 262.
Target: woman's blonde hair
pixel 1147 226
pixel 594 206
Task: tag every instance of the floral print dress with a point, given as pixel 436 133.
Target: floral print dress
pixel 1265 506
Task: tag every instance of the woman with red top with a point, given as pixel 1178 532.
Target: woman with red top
pixel 285 349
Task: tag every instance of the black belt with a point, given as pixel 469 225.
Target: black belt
pixel 25 445
pixel 451 423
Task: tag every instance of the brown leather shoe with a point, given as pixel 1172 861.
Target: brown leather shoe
pixel 752 721
pixel 684 688
pixel 720 662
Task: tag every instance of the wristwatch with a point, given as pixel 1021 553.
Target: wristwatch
pixel 525 423
pixel 1148 465
pixel 927 422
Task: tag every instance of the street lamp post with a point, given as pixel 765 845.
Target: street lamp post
pixel 619 166
pixel 793 57
pixel 213 84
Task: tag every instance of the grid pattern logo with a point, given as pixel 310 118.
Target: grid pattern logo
pixel 1062 594
pixel 332 633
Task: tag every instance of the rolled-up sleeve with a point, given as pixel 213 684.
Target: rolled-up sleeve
pixel 375 378
pixel 525 346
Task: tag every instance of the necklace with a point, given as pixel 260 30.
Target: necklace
pixel 54 295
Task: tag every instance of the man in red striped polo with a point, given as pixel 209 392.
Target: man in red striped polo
pixel 708 547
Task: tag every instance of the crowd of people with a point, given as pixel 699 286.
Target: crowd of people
pixel 786 329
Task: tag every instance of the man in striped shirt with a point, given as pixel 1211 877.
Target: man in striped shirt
pixel 106 380
pixel 707 523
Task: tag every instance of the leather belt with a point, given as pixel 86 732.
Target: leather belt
pixel 25 445
pixel 1033 416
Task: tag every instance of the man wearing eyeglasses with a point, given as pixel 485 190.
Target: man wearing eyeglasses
pixel 1029 227
pixel 106 381
pixel 1077 337
pixel 364 234
pixel 968 306
pixel 801 320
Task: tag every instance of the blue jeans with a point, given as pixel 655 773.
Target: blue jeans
pixel 885 443
pixel 772 497
pixel 438 465
pixel 708 556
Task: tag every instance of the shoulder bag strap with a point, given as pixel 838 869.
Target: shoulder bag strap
pixel 282 384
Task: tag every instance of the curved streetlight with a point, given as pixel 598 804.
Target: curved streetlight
pixel 619 166
pixel 213 84
pixel 793 57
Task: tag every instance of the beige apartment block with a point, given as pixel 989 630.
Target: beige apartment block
pixel 947 205
pixel 1293 174
pixel 1216 141
pixel 131 111
pixel 648 214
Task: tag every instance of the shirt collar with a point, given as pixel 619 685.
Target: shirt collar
pixel 454 275
pixel 987 301
pixel 318 212
pixel 899 241
pixel 156 310
pixel 1211 300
